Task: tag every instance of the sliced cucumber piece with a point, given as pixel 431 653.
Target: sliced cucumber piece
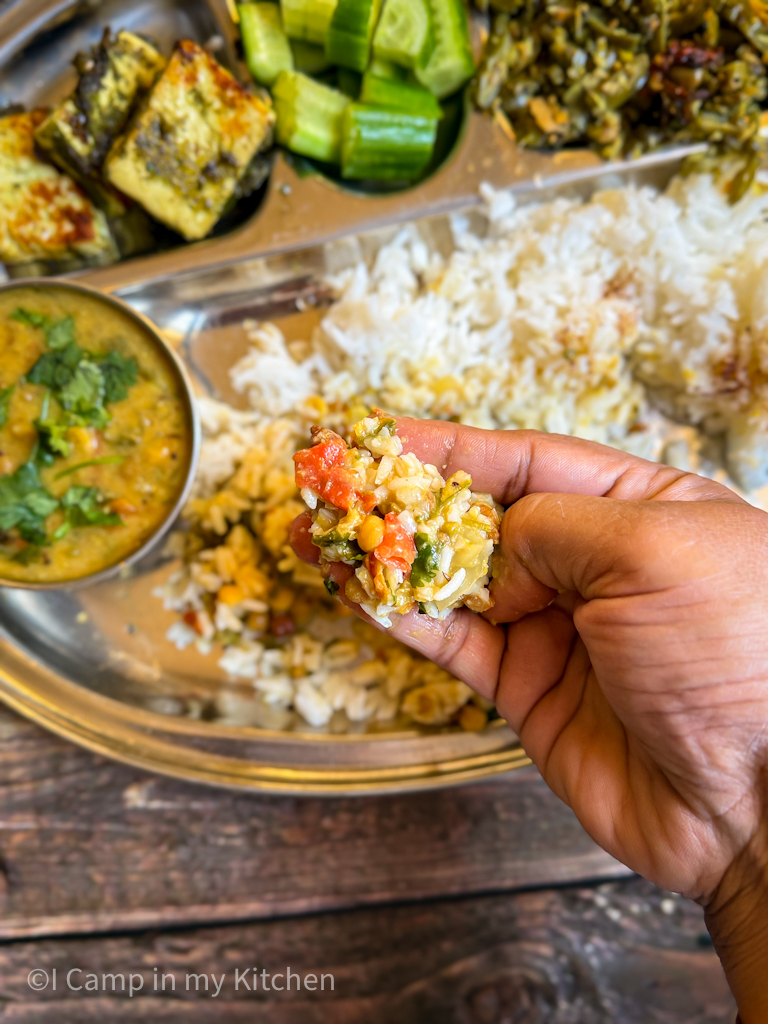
pixel 386 69
pixel 404 34
pixel 267 51
pixel 307 19
pixel 308 57
pixel 309 116
pixel 349 82
pixel 385 145
pixel 391 94
pixel 351 31
pixel 451 63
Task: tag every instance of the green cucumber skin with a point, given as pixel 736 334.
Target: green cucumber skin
pixel 307 20
pixel 308 58
pixel 388 44
pixel 309 116
pixel 267 51
pixel 385 145
pixel 451 63
pixel 351 32
pixel 394 95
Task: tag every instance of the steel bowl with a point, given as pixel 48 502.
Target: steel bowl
pixel 181 376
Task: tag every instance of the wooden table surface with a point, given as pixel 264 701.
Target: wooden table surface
pixel 481 905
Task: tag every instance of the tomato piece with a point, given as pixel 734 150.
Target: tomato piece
pixel 321 468
pixel 397 550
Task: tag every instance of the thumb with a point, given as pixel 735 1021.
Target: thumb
pixel 592 547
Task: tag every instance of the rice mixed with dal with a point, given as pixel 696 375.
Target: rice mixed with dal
pixel 600 319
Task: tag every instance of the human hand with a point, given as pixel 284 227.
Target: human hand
pixel 629 651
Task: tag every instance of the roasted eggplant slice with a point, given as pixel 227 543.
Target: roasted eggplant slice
pixel 79 133
pixel 191 143
pixel 44 214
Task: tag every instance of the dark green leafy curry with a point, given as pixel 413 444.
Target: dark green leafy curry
pixel 630 77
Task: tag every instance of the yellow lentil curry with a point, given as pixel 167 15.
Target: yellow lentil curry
pixel 95 438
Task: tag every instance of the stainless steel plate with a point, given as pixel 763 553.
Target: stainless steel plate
pixel 95 665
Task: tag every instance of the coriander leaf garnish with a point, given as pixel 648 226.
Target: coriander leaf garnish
pixel 5 403
pixel 60 333
pixel 56 369
pixel 25 504
pixel 120 373
pixel 51 434
pixel 85 506
pixel 29 317
pixel 84 392
pixel 105 460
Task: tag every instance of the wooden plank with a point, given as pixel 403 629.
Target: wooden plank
pixel 624 953
pixel 87 845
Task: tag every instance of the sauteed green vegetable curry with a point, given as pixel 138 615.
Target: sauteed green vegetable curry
pixel 94 435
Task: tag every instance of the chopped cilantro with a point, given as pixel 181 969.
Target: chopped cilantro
pixel 331 587
pixel 51 433
pixel 82 382
pixel 25 504
pixel 84 392
pixel 426 563
pixel 85 506
pixel 119 375
pixel 60 333
pixel 55 370
pixel 30 318
pixel 5 403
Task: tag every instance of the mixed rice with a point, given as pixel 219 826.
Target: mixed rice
pixel 414 538
pixel 598 319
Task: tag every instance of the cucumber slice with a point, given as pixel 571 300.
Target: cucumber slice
pixel 404 34
pixel 351 31
pixel 307 20
pixel 348 82
pixel 308 57
pixel 386 69
pixel 309 116
pixel 385 145
pixel 394 95
pixel 451 63
pixel 267 52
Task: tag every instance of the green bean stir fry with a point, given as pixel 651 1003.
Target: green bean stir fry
pixel 628 77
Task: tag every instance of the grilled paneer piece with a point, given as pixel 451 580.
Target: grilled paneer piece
pixel 191 143
pixel 44 215
pixel 79 133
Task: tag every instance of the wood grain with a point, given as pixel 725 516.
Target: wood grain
pixel 624 953
pixel 87 845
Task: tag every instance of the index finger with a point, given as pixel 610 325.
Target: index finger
pixel 509 464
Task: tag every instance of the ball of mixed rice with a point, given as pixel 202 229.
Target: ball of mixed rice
pixel 414 539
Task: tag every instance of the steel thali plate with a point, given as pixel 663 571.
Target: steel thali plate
pixel 94 665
